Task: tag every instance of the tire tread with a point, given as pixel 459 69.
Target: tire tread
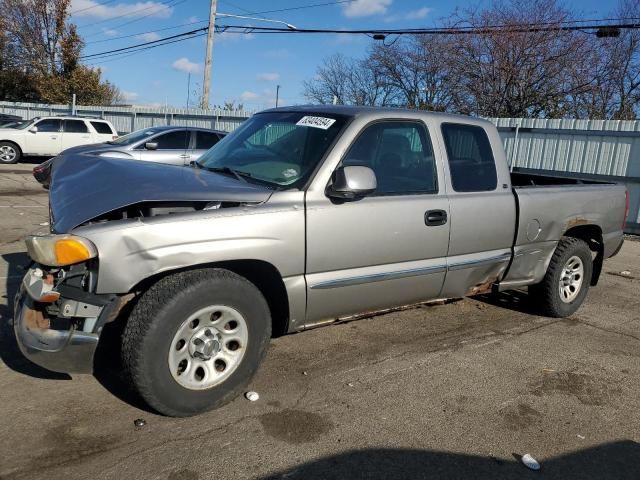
pixel 140 322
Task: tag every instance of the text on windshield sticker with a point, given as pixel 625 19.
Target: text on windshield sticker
pixel 316 122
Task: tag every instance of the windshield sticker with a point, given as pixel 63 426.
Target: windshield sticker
pixel 316 122
pixel 290 172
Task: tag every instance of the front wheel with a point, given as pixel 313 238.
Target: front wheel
pixel 566 283
pixel 194 340
pixel 9 153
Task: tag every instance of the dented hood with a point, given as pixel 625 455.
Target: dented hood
pixel 84 187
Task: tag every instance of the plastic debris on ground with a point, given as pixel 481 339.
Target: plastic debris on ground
pixel 530 462
pixel 252 396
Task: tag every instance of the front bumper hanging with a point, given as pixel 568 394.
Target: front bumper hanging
pixel 67 349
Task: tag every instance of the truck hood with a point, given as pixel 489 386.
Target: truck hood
pixel 84 187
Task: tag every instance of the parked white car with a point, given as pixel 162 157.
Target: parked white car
pixel 49 136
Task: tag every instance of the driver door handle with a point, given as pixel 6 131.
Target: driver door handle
pixel 435 218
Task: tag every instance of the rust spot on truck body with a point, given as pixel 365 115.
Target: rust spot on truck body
pixel 481 288
pixel 577 221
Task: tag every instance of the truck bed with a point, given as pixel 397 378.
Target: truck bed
pixel 548 207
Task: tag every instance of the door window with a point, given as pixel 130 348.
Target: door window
pixel 75 126
pixel 48 125
pixel 173 140
pixel 401 155
pixel 471 162
pixel 206 140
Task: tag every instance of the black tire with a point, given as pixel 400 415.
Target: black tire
pixel 546 295
pixel 154 321
pixel 13 148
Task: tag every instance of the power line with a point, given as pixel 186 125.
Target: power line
pixel 527 28
pixel 166 4
pixel 153 42
pixel 92 7
pixel 147 32
pixel 174 4
pixel 302 7
pixel 133 52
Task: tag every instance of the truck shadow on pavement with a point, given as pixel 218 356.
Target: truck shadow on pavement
pixel 617 460
pixel 516 300
pixel 9 350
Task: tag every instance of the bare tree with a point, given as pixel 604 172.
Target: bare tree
pixel 514 73
pixel 349 81
pixel 418 69
pixel 614 67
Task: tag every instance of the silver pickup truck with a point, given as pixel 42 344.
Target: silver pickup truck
pixel 300 217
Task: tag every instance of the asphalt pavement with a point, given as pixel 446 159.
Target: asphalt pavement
pixel 459 390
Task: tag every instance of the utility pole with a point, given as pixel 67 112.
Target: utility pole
pixel 277 94
pixel 209 60
pixel 188 89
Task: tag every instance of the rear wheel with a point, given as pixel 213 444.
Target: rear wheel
pixel 9 153
pixel 566 282
pixel 194 340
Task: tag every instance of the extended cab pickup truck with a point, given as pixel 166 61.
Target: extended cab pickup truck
pixel 299 217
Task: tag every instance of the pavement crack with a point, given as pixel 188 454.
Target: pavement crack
pixel 603 329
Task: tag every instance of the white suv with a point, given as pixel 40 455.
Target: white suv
pixel 49 136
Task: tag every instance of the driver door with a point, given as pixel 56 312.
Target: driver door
pixel 379 251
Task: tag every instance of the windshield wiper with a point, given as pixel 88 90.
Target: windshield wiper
pixel 239 174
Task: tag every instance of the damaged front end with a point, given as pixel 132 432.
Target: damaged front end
pixel 58 317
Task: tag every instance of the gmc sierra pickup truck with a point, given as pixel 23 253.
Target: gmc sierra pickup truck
pixel 299 217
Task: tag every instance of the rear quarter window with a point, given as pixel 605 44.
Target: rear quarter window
pixel 471 162
pixel 103 128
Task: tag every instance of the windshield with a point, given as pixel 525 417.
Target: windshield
pixel 279 148
pixel 134 137
pixel 26 125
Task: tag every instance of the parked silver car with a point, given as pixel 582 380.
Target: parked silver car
pixel 170 145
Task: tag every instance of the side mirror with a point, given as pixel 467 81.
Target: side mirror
pixel 33 129
pixel 351 183
pixel 151 145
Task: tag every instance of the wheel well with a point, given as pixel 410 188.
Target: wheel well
pixel 592 235
pixel 12 143
pixel 262 274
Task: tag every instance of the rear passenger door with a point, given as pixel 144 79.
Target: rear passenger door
pixel 483 210
pixel 379 251
pixel 202 142
pixel 74 133
pixel 172 148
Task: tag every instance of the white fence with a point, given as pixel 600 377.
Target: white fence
pixel 589 149
pixel 129 119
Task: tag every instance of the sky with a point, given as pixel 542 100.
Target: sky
pixel 246 67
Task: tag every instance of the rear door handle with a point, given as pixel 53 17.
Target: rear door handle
pixel 434 218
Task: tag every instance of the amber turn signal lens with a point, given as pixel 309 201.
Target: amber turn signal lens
pixel 69 251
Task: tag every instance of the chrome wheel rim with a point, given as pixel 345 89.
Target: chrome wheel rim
pixel 8 153
pixel 571 279
pixel 208 347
